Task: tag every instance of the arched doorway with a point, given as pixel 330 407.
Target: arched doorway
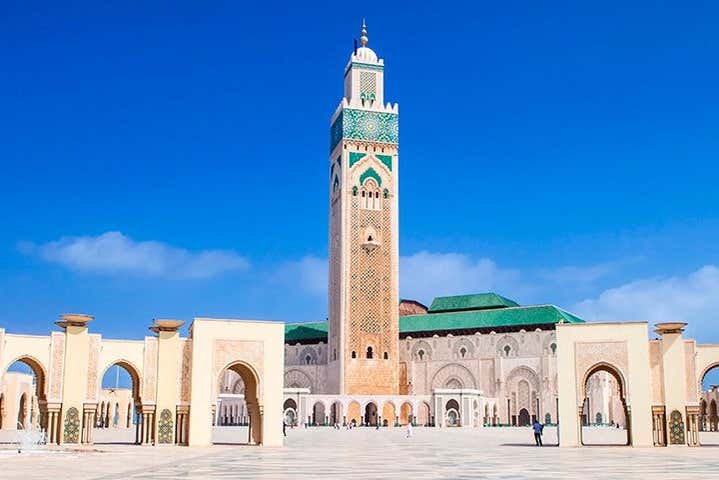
pixel 451 416
pixel 336 413
pixel 424 416
pixel 318 414
pixel 243 424
pixel 290 412
pixel 119 407
pixel 405 413
pixel 523 420
pixel 604 398
pixel 708 421
pixel 354 415
pixel 23 404
pixel 389 417
pixel 370 414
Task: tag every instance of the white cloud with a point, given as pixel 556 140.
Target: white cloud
pixel 425 275
pixel 113 252
pixel 309 274
pixel 693 298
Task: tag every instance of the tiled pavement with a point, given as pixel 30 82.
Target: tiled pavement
pixel 368 453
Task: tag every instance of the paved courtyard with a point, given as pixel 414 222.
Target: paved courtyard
pixel 367 453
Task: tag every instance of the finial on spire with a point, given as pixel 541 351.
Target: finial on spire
pixel 363 34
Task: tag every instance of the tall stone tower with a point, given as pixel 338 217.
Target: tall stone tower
pixel 363 340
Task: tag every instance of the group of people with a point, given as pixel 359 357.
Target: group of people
pixel 537 428
pixel 349 426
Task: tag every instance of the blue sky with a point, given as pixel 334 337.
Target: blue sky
pixel 169 160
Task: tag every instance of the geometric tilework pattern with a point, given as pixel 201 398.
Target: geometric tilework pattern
pixel 164 427
pixel 71 429
pixel 676 428
pixel 381 127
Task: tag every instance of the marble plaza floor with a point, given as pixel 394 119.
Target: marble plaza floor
pixel 367 453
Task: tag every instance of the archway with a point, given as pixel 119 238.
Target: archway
pixel 370 414
pixel 523 418
pixel 354 415
pixel 119 407
pixel 452 418
pixel 424 416
pixel 318 414
pixel 290 412
pixel 604 394
pixel 405 414
pixel 389 417
pixel 23 400
pixel 708 421
pixel 247 426
pixel 336 413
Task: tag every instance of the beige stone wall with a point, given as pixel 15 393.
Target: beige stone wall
pixel 622 347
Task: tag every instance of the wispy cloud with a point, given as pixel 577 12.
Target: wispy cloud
pixel 308 274
pixel 692 298
pixel 113 252
pixel 425 275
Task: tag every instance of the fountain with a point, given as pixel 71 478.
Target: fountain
pixel 30 439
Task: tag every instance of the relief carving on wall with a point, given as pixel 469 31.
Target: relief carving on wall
pixel 588 354
pixel 185 370
pixel 92 373
pixel 57 358
pixel 150 370
pixel 247 351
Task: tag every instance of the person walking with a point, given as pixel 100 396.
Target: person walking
pixel 538 428
pixel 284 428
pixel 409 429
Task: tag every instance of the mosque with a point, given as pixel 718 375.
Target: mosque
pixel 467 361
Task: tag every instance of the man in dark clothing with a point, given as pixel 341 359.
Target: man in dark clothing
pixel 284 428
pixel 537 427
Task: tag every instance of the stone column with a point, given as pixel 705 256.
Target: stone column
pixel 74 384
pixel 675 378
pixel 168 346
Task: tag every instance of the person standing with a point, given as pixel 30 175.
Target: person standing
pixel 284 428
pixel 538 428
pixel 409 429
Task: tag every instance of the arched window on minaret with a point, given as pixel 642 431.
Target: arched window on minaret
pixel 369 352
pixel 370 198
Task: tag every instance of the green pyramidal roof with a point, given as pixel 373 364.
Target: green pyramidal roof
pixel 479 320
pixel 478 301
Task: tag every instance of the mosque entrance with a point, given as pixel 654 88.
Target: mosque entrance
pixel 290 412
pixel 604 416
pixel 370 414
pixel 452 418
pixel 523 418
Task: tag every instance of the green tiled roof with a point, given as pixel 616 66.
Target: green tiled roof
pixel 486 319
pixel 478 301
pixel 492 318
pixel 295 332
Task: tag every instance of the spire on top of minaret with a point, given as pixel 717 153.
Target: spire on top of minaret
pixel 363 35
pixel 364 53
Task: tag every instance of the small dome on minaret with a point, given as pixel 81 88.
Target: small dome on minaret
pixel 364 52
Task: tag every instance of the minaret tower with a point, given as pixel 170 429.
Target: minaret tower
pixel 363 335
